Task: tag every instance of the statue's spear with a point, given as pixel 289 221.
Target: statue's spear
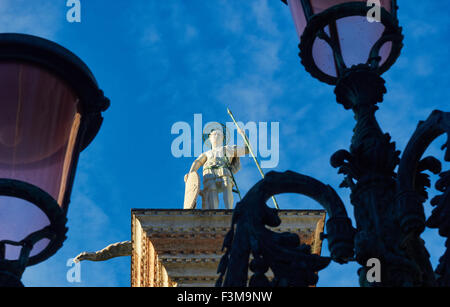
pixel 244 136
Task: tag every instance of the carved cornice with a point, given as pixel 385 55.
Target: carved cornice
pixel 189 259
pixel 189 242
pixel 192 233
pixel 187 279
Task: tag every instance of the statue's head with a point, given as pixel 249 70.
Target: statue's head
pixel 216 137
pixel 215 133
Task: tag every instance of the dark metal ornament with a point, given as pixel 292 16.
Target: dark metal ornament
pixel 412 184
pixel 55 233
pixel 291 262
pixel 388 205
pixel 369 172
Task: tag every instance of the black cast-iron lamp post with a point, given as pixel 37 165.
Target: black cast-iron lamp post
pixel 341 44
pixel 50 110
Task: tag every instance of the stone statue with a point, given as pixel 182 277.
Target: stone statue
pixel 219 166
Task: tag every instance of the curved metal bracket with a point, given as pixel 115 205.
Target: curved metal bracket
pixel 292 263
pixel 412 184
pixel 411 180
pixel 11 271
pixel 48 205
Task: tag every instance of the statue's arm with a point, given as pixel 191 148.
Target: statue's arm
pixel 241 151
pixel 120 249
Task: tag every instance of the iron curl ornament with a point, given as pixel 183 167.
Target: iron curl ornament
pixel 412 185
pixel 290 261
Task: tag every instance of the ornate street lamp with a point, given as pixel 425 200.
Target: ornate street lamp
pixel 341 44
pixel 338 34
pixel 50 110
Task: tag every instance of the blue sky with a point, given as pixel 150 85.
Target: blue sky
pixel 161 62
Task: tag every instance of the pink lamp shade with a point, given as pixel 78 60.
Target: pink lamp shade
pixel 355 35
pixel 39 123
pixel 50 110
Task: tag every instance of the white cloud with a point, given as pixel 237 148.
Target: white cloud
pixel 264 17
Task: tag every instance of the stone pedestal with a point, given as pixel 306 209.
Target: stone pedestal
pixel 183 247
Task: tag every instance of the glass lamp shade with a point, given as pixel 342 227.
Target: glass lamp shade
pixel 39 124
pixel 50 109
pixel 337 34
